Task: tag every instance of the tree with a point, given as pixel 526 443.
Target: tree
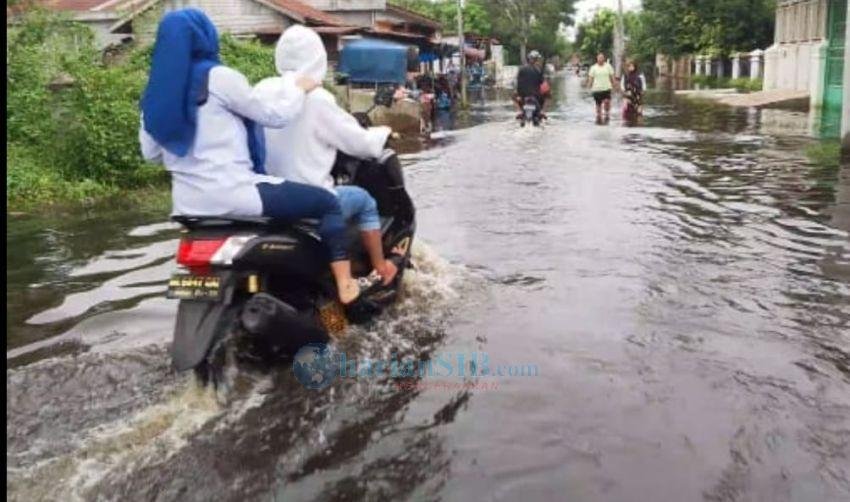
pixel 718 27
pixel 475 18
pixel 523 23
pixel 596 35
pixel 640 44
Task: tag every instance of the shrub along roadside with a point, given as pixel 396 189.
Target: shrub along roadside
pixel 72 119
pixel 741 84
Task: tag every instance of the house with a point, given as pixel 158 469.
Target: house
pixel 362 13
pixel 115 21
pixel 808 50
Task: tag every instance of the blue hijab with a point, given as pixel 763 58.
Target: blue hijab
pixel 185 51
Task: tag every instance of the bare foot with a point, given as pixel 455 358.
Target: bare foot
pixel 387 271
pixel 348 291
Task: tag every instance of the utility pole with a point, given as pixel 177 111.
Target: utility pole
pixel 619 40
pixel 462 46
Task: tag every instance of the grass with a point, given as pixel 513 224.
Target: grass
pixel 32 184
pixel 741 84
pixel 825 154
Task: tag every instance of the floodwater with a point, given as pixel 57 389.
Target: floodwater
pixel 670 301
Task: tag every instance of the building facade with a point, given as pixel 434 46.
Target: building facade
pixel 794 60
pixel 809 55
pixel 115 21
pixel 361 13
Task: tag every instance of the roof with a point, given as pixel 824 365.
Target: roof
pixel 101 6
pixel 71 5
pixel 335 30
pixel 382 31
pixel 413 16
pixel 304 13
pixel 298 11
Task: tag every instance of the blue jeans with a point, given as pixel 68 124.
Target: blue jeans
pixel 358 205
pixel 293 201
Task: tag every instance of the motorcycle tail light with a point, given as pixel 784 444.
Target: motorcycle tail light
pixel 194 253
pixel 231 247
pixel 200 253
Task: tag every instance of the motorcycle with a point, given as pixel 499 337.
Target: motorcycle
pixel 530 111
pixel 263 287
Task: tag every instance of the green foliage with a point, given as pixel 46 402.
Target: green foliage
pixel 825 155
pixel 523 25
pixel 719 27
pixel 741 84
pixel 596 35
pixel 475 18
pixel 251 58
pixel 520 25
pixel 640 43
pixel 747 84
pixel 676 27
pixel 80 140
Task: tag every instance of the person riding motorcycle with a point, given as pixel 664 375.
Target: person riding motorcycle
pixel 530 78
pixel 199 118
pixel 306 149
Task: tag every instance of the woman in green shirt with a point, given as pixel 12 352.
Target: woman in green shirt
pixel 600 79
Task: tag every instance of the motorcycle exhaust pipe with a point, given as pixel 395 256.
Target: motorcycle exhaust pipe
pixel 279 326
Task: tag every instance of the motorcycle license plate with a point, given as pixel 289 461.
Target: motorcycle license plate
pixel 194 287
pixel 529 108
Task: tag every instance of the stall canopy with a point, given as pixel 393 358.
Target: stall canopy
pixel 374 61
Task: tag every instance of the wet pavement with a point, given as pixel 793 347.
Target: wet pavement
pixel 672 298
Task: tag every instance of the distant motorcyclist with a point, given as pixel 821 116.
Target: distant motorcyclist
pixel 529 80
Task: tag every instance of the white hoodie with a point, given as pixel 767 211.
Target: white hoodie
pixel 304 151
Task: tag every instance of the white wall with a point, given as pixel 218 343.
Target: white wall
pixel 235 16
pixel 795 60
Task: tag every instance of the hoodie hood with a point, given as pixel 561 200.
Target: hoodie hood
pixel 300 50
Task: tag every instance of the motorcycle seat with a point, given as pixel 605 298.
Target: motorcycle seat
pixel 222 222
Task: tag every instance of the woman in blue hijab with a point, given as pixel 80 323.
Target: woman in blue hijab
pixel 201 120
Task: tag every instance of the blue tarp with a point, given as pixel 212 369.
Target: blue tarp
pixel 374 61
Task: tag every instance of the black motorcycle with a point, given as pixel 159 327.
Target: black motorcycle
pixel 531 111
pixel 263 286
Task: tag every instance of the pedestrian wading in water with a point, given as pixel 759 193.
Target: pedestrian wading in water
pixel 600 79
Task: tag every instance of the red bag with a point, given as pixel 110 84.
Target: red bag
pixel 544 88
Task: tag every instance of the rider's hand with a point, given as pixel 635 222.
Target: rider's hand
pixel 306 84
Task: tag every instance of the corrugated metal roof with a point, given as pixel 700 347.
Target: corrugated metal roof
pixel 298 11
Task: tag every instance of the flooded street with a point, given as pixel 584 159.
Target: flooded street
pixel 680 288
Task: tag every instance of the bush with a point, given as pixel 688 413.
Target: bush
pixel 740 84
pixel 825 154
pixel 251 58
pixel 81 140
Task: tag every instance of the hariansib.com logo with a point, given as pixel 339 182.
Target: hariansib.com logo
pixel 317 365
